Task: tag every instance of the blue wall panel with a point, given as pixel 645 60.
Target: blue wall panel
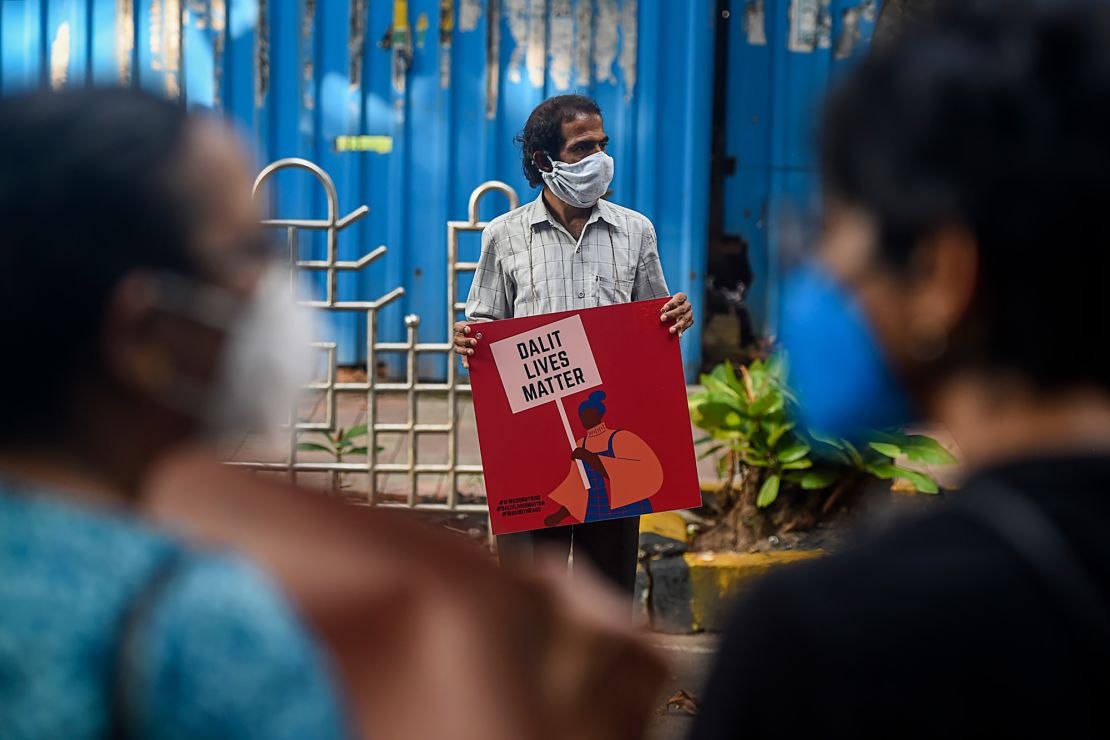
pixel 782 57
pixel 295 74
pixel 23 43
pixel 103 63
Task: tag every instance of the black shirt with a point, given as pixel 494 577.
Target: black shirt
pixel 937 628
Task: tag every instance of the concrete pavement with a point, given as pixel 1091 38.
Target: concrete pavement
pixel 690 658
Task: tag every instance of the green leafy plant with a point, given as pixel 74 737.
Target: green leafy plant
pixel 747 415
pixel 340 444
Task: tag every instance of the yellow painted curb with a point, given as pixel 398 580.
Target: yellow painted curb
pixel 716 578
pixel 667 524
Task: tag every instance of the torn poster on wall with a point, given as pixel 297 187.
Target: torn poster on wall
pixel 755 23
pixel 810 26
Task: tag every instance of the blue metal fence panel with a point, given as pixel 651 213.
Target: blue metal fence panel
pixel 297 74
pixel 23 39
pixel 783 55
pixel 102 41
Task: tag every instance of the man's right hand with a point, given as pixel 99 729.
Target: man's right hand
pixel 464 343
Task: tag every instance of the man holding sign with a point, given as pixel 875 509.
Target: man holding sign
pixel 567 250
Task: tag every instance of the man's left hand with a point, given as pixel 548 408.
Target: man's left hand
pixel 678 310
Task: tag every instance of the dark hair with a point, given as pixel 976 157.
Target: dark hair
pixel 993 115
pixel 596 400
pixel 543 131
pixel 897 15
pixel 87 194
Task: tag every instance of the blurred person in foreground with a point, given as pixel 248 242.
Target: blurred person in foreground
pixel 967 177
pixel 148 591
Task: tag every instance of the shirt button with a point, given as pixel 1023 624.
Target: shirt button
pixel 581 294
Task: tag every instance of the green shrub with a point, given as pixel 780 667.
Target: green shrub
pixel 749 421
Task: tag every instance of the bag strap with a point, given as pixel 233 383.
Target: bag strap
pixel 1030 534
pixel 126 655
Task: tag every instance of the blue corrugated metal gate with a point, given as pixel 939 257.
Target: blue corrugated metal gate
pixel 781 59
pixel 438 88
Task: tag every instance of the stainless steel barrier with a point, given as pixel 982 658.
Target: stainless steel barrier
pixel 329 388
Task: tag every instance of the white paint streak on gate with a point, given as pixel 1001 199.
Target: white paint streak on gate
pixel 516 14
pixel 584 34
pixel 605 40
pixel 537 42
pixel 630 31
pixel 470 12
pixel 562 43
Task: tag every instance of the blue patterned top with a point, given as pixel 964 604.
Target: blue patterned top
pixel 598 508
pixel 219 652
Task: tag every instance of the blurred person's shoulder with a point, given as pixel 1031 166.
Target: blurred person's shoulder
pixel 220 651
pixel 955 551
pixel 926 614
pixel 226 655
pixel 56 550
pixel 879 592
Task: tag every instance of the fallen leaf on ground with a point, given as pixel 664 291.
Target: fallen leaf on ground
pixel 684 702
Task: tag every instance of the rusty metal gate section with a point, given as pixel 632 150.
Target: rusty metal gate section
pixel 331 387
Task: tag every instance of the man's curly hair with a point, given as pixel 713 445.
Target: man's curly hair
pixel 543 131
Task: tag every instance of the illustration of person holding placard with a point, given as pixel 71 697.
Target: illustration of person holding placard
pixel 623 472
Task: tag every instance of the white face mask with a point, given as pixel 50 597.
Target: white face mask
pixel 583 183
pixel 266 357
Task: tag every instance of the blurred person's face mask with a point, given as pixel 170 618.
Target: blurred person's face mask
pixel 583 183
pixel 844 384
pixel 265 360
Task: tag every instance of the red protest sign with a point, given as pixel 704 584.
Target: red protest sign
pixel 582 416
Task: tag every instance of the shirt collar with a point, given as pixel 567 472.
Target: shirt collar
pixel 603 211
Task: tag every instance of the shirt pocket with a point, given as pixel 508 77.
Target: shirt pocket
pixel 611 292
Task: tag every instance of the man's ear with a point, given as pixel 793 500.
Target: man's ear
pixel 542 161
pixel 947 271
pixel 130 355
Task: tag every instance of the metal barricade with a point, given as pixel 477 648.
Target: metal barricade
pixel 330 387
